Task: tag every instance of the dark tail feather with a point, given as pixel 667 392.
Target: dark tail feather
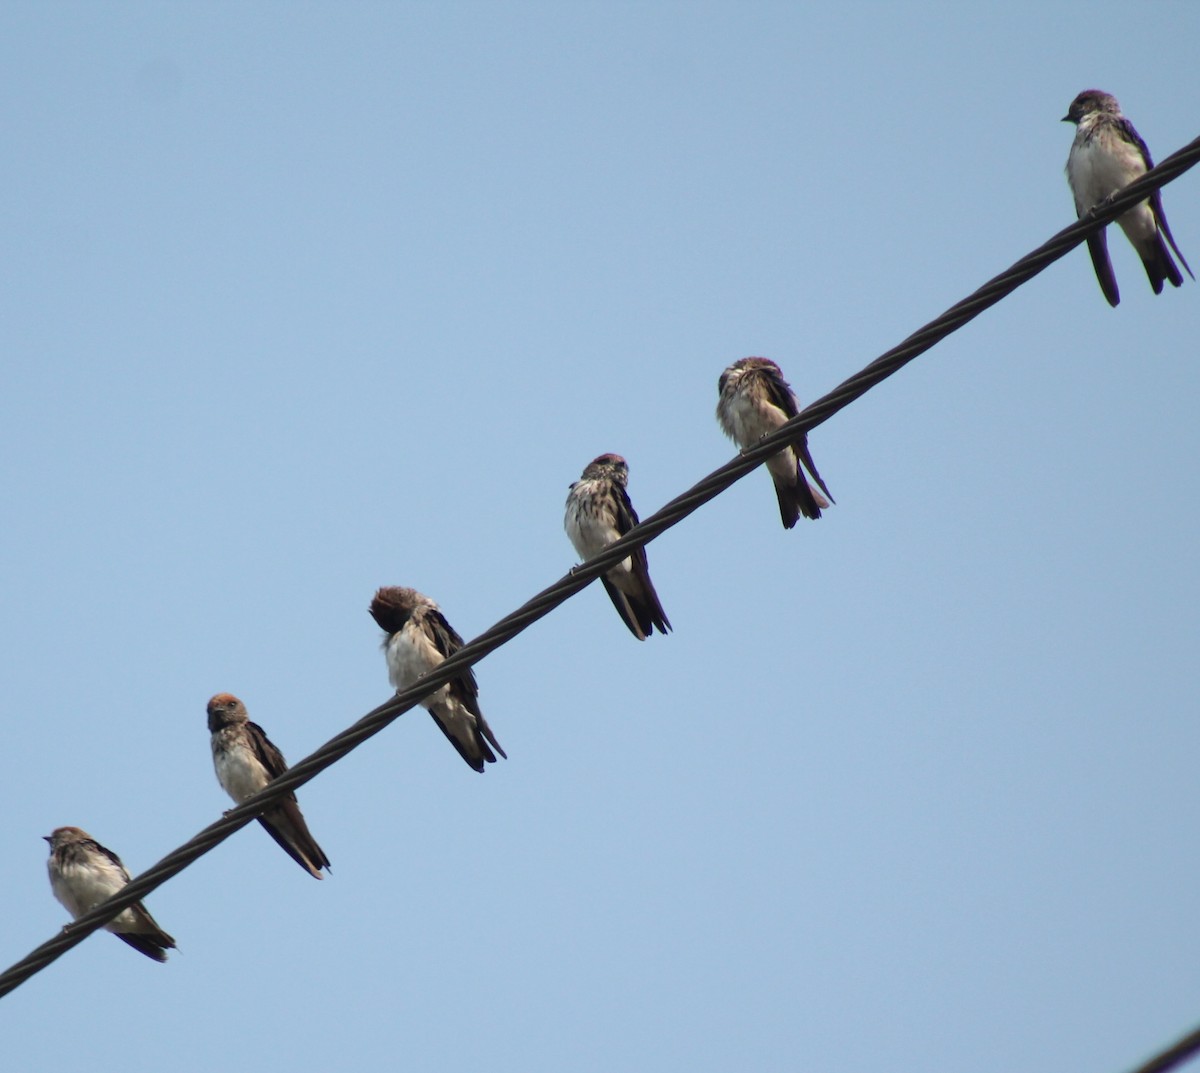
pixel 797 499
pixel 803 453
pixel 286 825
pixel 471 761
pixel 1164 227
pixel 625 609
pixel 1098 247
pixel 789 511
pixel 1156 274
pixel 486 731
pixel 650 611
pixel 643 603
pixel 483 735
pixel 154 944
pixel 1159 266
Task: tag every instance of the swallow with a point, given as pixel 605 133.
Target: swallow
pixel 1106 156
pixel 245 761
pixel 418 639
pixel 754 401
pixel 599 513
pixel 83 874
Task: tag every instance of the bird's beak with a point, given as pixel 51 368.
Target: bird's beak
pixel 48 838
pixel 1065 119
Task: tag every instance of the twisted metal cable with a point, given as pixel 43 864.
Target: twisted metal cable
pixel 581 576
pixel 1170 1057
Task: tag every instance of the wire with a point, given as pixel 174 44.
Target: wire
pixel 581 576
pixel 1178 1053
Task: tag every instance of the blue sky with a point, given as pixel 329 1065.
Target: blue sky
pixel 299 300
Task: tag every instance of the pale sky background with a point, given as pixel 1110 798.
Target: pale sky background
pixel 302 299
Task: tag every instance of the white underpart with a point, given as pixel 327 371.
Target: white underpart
pixel 1101 166
pixel 745 422
pixel 592 530
pixel 411 654
pixel 82 888
pixel 239 771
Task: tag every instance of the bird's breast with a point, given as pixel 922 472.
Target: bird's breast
pixel 411 654
pixel 83 885
pixel 1098 167
pixel 746 422
pixel 590 527
pixel 239 771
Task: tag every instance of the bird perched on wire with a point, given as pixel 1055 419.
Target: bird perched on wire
pixel 599 513
pixel 83 874
pixel 1106 156
pixel 245 761
pixel 754 401
pixel 418 639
